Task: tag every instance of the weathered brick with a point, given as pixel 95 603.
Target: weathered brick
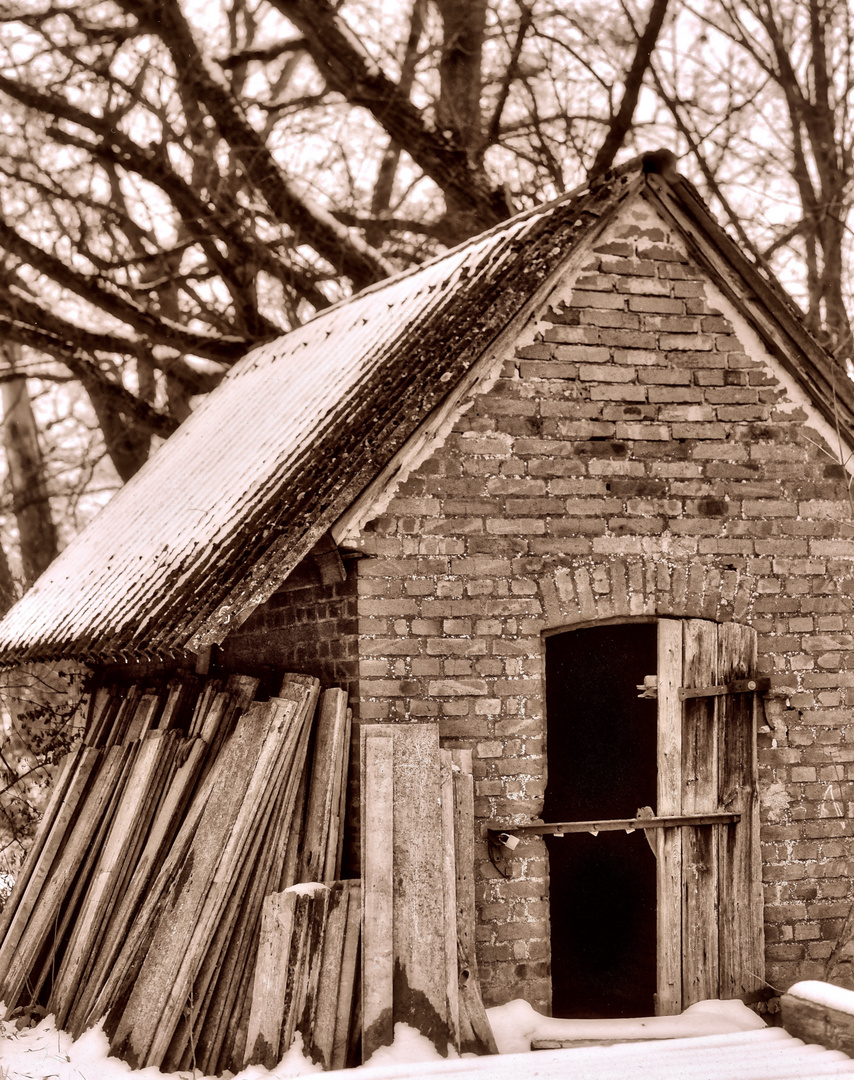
pixel 658 304
pixel 690 342
pixel 581 299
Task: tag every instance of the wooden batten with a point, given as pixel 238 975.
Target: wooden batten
pixel 742 946
pixel 699 795
pixel 669 841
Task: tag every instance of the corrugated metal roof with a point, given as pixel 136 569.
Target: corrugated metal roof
pixel 228 506
pixel 770 1054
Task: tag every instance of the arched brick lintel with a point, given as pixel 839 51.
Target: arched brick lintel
pixel 590 591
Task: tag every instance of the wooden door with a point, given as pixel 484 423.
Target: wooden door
pixel 709 876
pixel 706 929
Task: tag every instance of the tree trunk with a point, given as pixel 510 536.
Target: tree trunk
pixel 25 464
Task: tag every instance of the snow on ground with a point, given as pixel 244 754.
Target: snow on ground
pixel 42 1052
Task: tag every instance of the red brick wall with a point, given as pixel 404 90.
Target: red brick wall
pixel 311 630
pixel 632 459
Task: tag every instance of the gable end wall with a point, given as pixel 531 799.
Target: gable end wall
pixel 633 460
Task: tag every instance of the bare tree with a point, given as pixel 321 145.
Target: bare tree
pixel 173 193
pixel 763 104
pixel 26 472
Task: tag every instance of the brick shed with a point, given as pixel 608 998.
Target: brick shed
pixel 590 455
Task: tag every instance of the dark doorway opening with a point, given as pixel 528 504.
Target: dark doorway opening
pixel 601 747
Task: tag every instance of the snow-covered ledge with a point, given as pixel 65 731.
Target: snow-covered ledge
pixel 819 1012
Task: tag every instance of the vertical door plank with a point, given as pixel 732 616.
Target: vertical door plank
pixel 741 908
pixel 699 795
pixel 669 841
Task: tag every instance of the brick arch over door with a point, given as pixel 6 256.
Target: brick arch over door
pixel 590 591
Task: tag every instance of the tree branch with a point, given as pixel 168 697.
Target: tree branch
pixel 311 226
pixel 346 67
pixel 622 122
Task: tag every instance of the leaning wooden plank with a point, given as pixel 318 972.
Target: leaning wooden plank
pixel 128 818
pixel 335 845
pixel 271 976
pixel 472 1013
pixel 419 952
pixel 61 876
pixel 176 697
pixel 297 984
pixel 197 1030
pixel 209 691
pixel 50 959
pixel 347 1003
pixel 172 746
pixel 221 1043
pixel 169 815
pixel 134 947
pixel 377 810
pixel 325 768
pixel 162 986
pixel 128 697
pixel 292 847
pixel 318 914
pixel 101 724
pixel 220 720
pixel 296 686
pixel 146 709
pixel 320 1038
pixel 222 996
pixel 475 1033
pixel 464 835
pixel 68 788
pixel 447 853
pixel 230 1038
pixel 227 1042
pixel 100 707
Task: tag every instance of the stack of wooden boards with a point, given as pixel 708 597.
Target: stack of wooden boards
pixel 141 902
pixel 305 974
pixel 417 850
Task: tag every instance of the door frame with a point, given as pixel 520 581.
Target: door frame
pixel 709 875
